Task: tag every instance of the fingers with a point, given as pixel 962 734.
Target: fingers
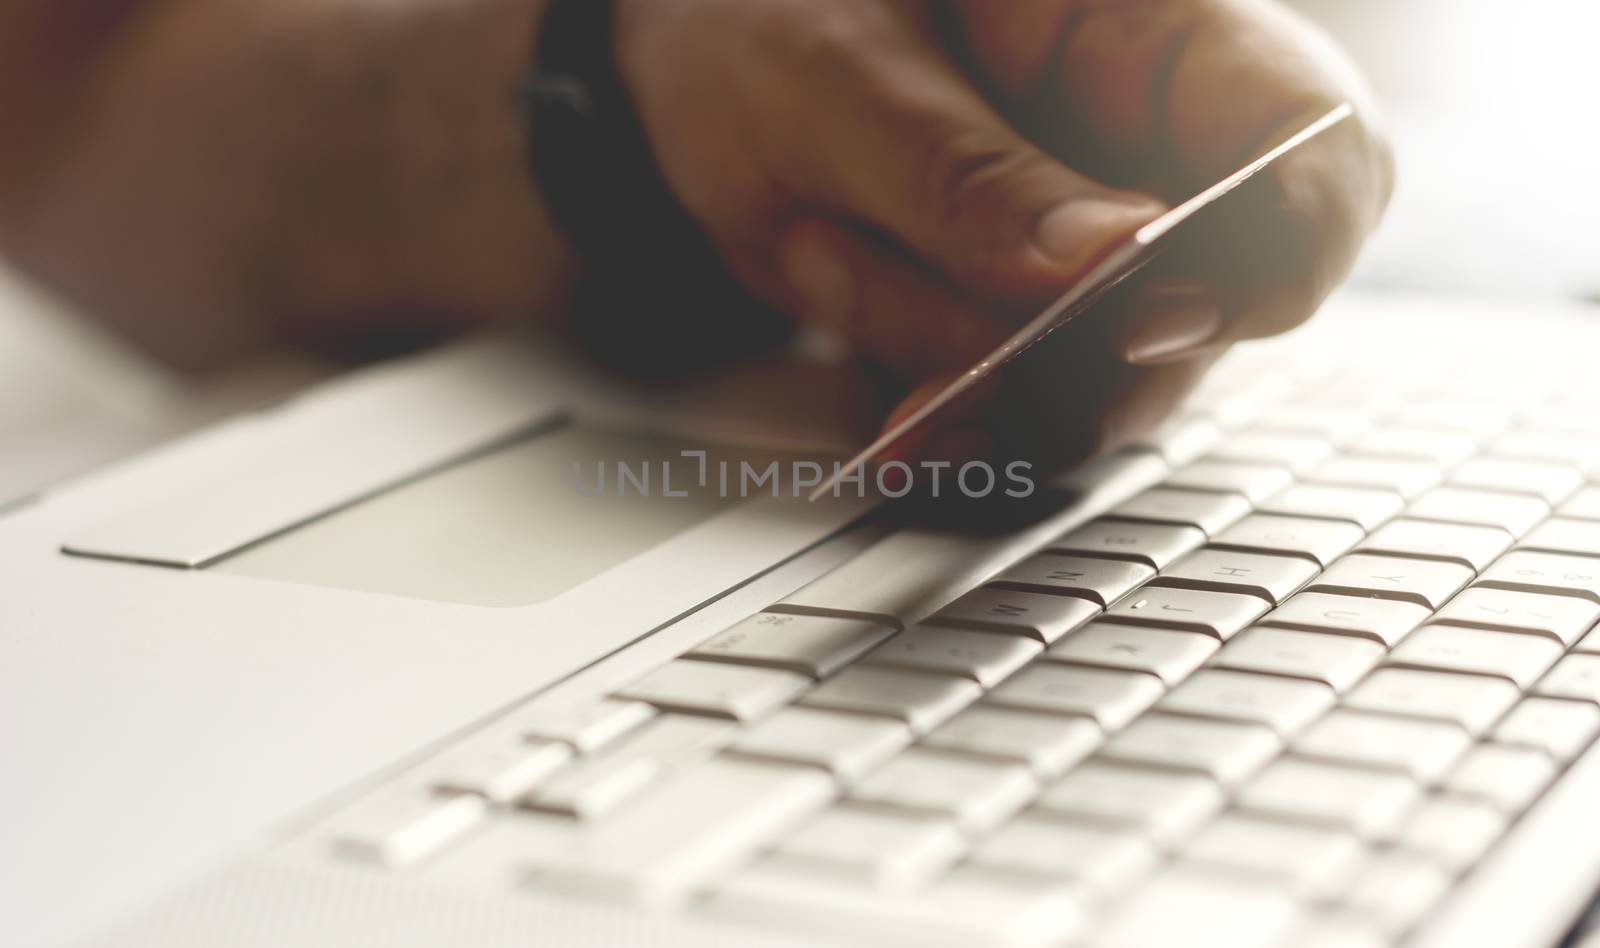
pixel 909 145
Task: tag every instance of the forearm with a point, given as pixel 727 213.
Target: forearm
pixel 226 168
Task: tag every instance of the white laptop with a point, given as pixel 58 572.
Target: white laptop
pixel 1309 666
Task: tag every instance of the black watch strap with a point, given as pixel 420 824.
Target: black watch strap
pixel 649 274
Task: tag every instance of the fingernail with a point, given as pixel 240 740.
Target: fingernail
pixel 1178 329
pixel 818 276
pixel 1076 232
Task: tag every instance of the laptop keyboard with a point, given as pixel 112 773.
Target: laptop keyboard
pixel 1302 685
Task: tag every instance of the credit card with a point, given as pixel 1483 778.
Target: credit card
pixel 1119 264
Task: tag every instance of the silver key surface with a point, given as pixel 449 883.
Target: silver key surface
pixel 1576 676
pixel 734 691
pixel 1564 535
pixel 920 699
pixel 1562 729
pixel 977 794
pixel 1566 450
pixel 400 825
pixel 1037 615
pixel 847 745
pixel 1387 621
pixel 1548 481
pixel 1583 505
pixel 1112 698
pixel 1297 452
pixel 1514 513
pixel 888 850
pixel 1444 448
pixel 812 645
pixel 1154 544
pixel 1406 478
pixel 1451 831
pixel 1272 578
pixel 1098 580
pixel 500 771
pixel 1310 860
pixel 1048 743
pixel 1255 482
pixel 1552 573
pixel 1562 618
pixel 1367 803
pixel 1180 903
pixel 1225 751
pixel 1166 806
pixel 1338 661
pixel 1322 541
pixel 1167 654
pixel 586 726
pixel 1366 507
pixel 1395 891
pixel 1422 749
pixel 1471 701
pixel 1427 583
pixel 597 786
pixel 1195 610
pixel 690 828
pixel 1179 440
pixel 1468 545
pixel 1337 425
pixel 1508 777
pixel 1512 655
pixel 984 657
pixel 1209 512
pixel 1105 859
pixel 1282 704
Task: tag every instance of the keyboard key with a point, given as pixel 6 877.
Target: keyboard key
pixel 1168 807
pixel 499 772
pixel 1551 483
pixel 1470 701
pixel 1572 450
pixel 1168 655
pixel 1468 545
pixel 1256 482
pixel 1546 573
pixel 1104 859
pixel 981 656
pixel 1584 505
pixel 1576 676
pixel 1112 698
pixel 1426 583
pixel 1394 892
pixel 1560 617
pixel 1337 661
pixel 1282 704
pixel 1381 619
pixel 399 826
pixel 1337 425
pixel 1367 803
pixel 1273 578
pixel 1406 478
pixel 1510 655
pixel 978 794
pixel 1217 614
pixel 812 645
pixel 512 847
pixel 1179 903
pixel 1320 540
pixel 1476 417
pixel 1452 832
pixel 1310 860
pixel 1297 452
pixel 1154 544
pixel 921 700
pixel 1508 777
pixel 1562 729
pixel 1047 743
pixel 690 828
pixel 887 850
pixel 1179 440
pixel 1222 750
pixel 1514 513
pixel 1097 580
pixel 1366 507
pixel 597 786
pixel 586 726
pixel 1422 749
pixel 847 745
pixel 1036 615
pixel 1212 513
pixel 733 691
pixel 1564 535
pixel 1444 448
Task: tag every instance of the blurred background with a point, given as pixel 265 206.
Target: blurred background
pixel 1490 108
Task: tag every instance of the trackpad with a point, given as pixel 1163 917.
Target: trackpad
pixel 514 527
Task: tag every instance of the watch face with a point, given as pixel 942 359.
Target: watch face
pixel 1115 266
